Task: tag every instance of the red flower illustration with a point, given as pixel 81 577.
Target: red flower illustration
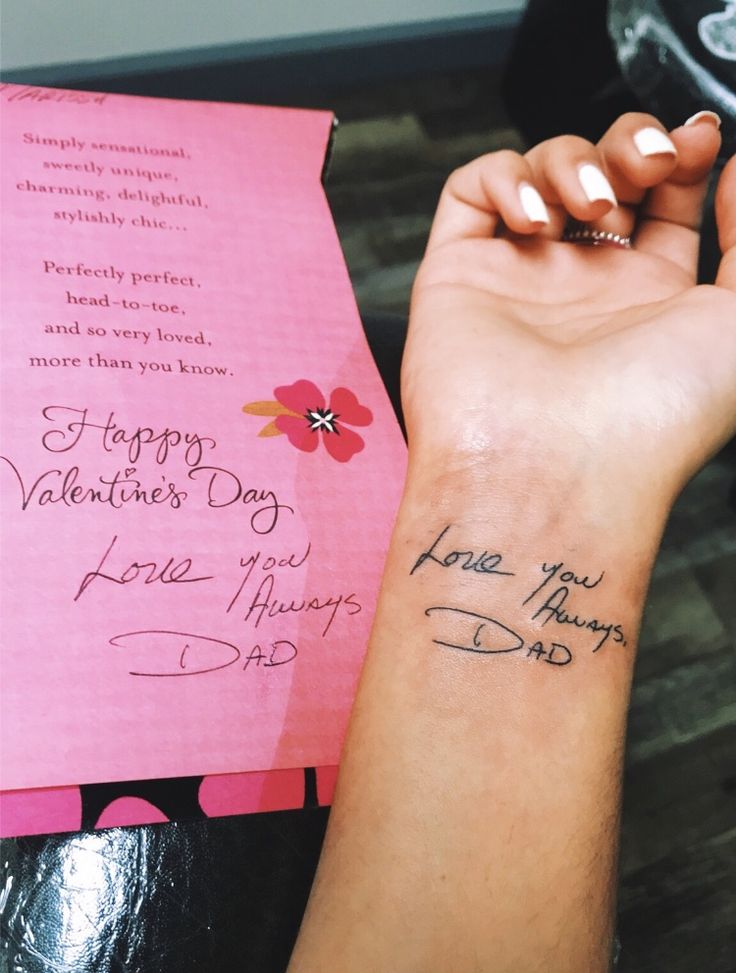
pixel 301 412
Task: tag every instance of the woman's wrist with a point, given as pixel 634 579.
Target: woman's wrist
pixel 528 489
pixel 482 765
pixel 521 554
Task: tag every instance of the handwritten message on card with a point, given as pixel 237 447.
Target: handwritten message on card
pixel 200 466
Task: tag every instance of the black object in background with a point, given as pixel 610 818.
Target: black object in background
pixel 563 75
pixel 678 57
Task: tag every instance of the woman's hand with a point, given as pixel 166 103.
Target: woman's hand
pixel 523 345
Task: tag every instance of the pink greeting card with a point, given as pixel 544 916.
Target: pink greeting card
pixel 45 810
pixel 199 464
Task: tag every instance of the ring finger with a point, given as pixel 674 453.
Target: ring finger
pixel 570 173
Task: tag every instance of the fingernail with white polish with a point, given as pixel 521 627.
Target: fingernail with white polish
pixel 533 204
pixel 595 185
pixel 650 141
pixel 704 116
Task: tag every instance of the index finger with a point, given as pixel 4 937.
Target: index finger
pixel 476 197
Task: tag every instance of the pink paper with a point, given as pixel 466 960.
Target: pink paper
pixel 180 595
pixel 57 809
pixel 41 811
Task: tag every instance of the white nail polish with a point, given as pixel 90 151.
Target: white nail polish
pixel 533 204
pixel 701 116
pixel 595 185
pixel 650 141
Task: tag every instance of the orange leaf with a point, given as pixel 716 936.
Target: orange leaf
pixel 266 409
pixel 270 430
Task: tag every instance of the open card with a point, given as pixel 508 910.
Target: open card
pixel 200 466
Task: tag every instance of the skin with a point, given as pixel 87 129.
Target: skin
pixel 557 397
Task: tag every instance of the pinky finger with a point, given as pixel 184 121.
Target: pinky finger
pixel 479 196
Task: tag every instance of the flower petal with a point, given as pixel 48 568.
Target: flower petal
pixel 343 445
pixel 298 431
pixel 345 405
pixel 300 396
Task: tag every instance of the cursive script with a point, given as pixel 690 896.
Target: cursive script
pixel 265 604
pixel 117 491
pixel 225 488
pixel 71 425
pixel 267 563
pixel 566 577
pixel 480 634
pixel 554 609
pixel 164 653
pixel 483 563
pixel 149 572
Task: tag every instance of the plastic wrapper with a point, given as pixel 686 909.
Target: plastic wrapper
pixel 679 57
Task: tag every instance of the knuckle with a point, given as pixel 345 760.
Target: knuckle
pixel 456 177
pixel 504 158
pixel 485 166
pixel 636 119
pixel 570 145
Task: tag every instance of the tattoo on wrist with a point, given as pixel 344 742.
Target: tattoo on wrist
pixel 484 563
pixel 560 597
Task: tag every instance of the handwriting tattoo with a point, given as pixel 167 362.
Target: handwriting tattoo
pixel 484 563
pixel 470 632
pixel 567 577
pixel 553 609
pixel 482 634
pixel 556 607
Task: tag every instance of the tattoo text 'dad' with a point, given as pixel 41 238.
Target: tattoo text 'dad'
pixel 470 632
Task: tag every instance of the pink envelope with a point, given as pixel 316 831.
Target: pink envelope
pixel 200 466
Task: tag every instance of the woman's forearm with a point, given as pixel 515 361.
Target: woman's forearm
pixel 475 824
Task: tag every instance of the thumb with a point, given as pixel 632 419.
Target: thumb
pixel 726 221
